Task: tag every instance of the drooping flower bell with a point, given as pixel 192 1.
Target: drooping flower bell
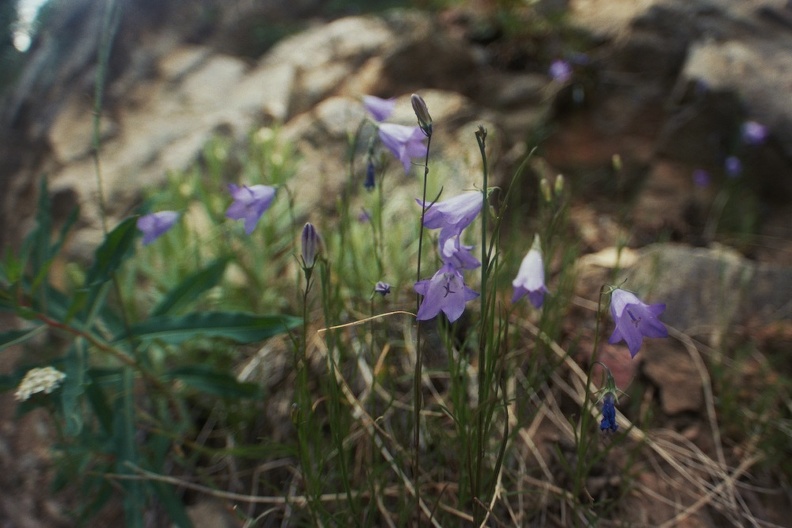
pixel 608 422
pixel 635 320
pixel 608 397
pixel 444 292
pixel 404 142
pixel 733 166
pixel 701 178
pixel 560 71
pixel 383 288
pixel 530 279
pixel 753 133
pixel 155 225
pixel 453 252
pixel 249 203
pixel 453 215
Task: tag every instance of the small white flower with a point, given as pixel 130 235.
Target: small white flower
pixel 44 380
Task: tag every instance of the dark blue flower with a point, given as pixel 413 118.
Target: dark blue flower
pixel 371 174
pixel 608 422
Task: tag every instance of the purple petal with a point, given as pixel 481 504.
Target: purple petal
pixel 380 109
pixel 155 225
pixel 404 142
pixel 446 292
pixel 249 203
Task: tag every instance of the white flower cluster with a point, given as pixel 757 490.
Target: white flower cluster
pixel 44 380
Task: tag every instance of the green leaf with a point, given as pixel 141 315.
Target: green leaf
pixel 13 337
pixel 72 388
pixel 238 326
pixel 166 495
pixel 111 252
pixel 207 379
pixel 127 456
pixel 191 288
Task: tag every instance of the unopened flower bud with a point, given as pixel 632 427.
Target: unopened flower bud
pixel 422 113
pixel 559 185
pixel 383 288
pixel 311 245
pixel 544 187
pixel 616 161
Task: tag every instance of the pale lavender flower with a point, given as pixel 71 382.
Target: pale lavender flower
pixel 453 215
pixel 446 292
pixel 560 71
pixel 380 109
pixel 249 203
pixel 453 252
pixel 701 178
pixel 530 279
pixel 753 133
pixel 405 142
pixel 383 288
pixel 635 320
pixel 733 166
pixel 155 225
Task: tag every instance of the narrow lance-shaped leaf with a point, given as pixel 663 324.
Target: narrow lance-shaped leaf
pixel 207 379
pixel 238 326
pixel 191 288
pixel 13 337
pixel 111 252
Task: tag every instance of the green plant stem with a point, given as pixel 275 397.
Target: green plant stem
pixel 418 352
pixel 481 138
pixel 302 398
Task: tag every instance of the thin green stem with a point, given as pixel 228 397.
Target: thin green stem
pixel 417 396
